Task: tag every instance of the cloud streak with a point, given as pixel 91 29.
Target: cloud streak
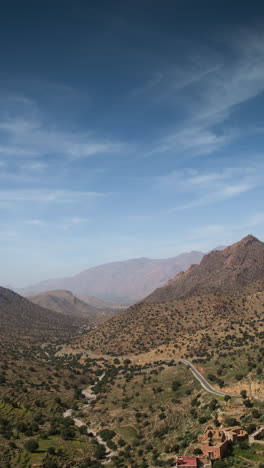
pixel 23 137
pixel 212 94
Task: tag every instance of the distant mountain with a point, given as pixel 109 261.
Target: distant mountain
pixel 221 272
pixel 22 320
pixel 120 282
pixel 66 303
pixel 101 304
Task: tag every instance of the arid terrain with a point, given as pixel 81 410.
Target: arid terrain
pixel 128 391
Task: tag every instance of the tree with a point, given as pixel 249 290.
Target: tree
pixel 51 450
pixel 83 429
pixel 247 403
pixel 175 385
pixel 22 427
pixel 31 445
pixel 243 393
pixel 255 413
pixel 107 434
pixel 68 433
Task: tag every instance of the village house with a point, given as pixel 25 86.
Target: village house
pixel 215 442
pixel 235 434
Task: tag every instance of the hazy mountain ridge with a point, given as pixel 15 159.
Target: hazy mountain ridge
pixel 66 303
pixel 120 282
pixel 225 290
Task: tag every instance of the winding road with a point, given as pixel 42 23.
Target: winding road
pixel 205 384
pixel 201 379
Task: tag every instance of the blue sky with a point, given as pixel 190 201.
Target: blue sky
pixel 126 130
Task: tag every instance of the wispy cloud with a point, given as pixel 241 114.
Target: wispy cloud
pixel 217 195
pixel 64 223
pixel 215 91
pixel 30 136
pixel 48 196
pixel 202 188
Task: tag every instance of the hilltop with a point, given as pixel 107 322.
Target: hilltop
pixel 66 303
pixel 221 272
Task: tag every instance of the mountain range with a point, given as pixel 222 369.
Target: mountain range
pixel 120 282
pixel 225 292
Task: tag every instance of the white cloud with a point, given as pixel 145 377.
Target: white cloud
pixel 76 220
pixel 34 166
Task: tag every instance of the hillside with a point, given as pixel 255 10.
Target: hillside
pixel 196 325
pixel 20 319
pixel 222 272
pixel 120 282
pixel 64 302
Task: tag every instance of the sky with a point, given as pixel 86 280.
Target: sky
pixel 127 129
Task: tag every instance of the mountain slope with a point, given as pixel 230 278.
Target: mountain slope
pixel 120 282
pixel 221 272
pixel 20 319
pixel 66 303
pixel 195 325
pixel 196 309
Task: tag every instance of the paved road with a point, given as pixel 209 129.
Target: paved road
pixel 201 378
pixel 208 387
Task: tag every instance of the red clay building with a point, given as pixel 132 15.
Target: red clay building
pixel 214 442
pixel 193 462
pixel 187 462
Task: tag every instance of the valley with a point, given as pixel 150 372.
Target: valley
pixel 83 387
